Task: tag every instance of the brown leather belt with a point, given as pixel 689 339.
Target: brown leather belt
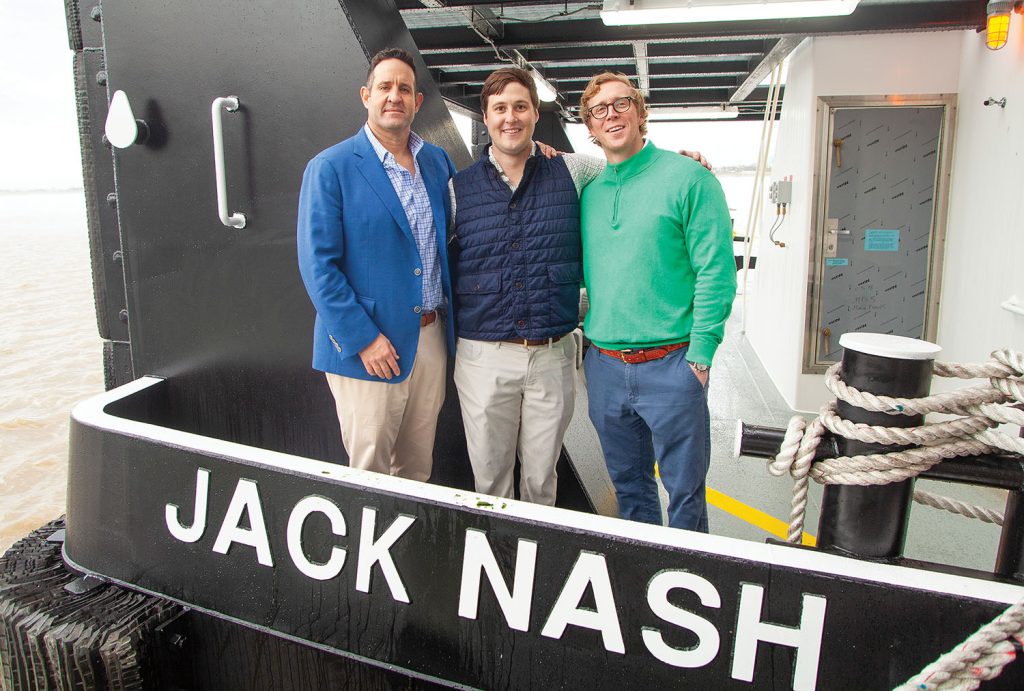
pixel 534 341
pixel 633 356
pixel 428 318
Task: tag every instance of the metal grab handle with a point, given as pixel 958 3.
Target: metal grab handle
pixel 230 104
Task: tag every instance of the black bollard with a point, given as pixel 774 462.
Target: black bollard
pixel 871 522
pixel 1010 556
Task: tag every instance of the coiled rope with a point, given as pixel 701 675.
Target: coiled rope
pixel 984 654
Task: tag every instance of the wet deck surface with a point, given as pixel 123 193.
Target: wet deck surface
pixel 746 502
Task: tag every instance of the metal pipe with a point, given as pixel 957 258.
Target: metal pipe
pixel 1000 472
pixel 755 211
pixel 1010 555
pixel 765 442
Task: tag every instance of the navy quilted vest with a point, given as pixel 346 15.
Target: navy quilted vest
pixel 518 264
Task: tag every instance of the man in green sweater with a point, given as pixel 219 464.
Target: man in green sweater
pixel 661 278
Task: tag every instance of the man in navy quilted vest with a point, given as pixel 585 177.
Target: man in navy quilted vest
pixel 517 292
pixel 517 274
pixel 372 245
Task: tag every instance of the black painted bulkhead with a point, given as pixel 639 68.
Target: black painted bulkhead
pixel 221 312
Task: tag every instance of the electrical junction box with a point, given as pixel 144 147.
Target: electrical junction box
pixel 781 192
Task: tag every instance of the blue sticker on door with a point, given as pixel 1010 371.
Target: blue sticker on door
pixel 881 240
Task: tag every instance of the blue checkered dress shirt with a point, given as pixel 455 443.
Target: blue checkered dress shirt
pixel 412 194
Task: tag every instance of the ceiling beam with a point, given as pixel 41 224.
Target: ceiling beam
pixel 665 46
pixel 576 86
pixel 776 55
pixel 437 14
pixel 643 77
pixel 888 17
pixel 661 65
pixel 486 24
pixel 568 80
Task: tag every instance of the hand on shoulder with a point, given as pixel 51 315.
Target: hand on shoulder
pixel 696 156
pixel 548 150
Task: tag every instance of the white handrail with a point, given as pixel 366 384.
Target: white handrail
pixel 230 104
pixel 1012 304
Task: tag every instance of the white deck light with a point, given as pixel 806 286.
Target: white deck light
pixel 620 12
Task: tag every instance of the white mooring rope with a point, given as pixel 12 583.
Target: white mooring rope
pixel 984 654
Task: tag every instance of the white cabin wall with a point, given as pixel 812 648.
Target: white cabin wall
pixel 985 237
pixel 919 63
pixel 775 307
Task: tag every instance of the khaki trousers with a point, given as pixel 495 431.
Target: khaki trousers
pixel 390 428
pixel 516 397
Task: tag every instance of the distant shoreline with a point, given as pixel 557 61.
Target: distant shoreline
pixel 44 191
pixel 735 170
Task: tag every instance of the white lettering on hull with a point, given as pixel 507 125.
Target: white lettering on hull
pixel 708 640
pixel 589 569
pixel 172 513
pixel 589 572
pixel 479 560
pixel 334 564
pixel 246 498
pixel 371 552
pixel 806 637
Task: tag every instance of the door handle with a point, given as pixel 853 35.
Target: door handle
pixel 230 104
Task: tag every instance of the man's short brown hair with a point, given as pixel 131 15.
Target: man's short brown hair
pixel 390 54
pixel 594 85
pixel 498 79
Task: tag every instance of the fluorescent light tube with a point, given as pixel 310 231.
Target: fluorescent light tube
pixel 694 113
pixel 621 12
pixel 545 91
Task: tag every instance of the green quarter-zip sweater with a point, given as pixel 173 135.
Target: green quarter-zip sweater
pixel 657 255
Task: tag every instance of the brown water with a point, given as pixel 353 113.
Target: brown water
pixel 50 351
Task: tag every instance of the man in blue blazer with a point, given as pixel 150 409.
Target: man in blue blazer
pixel 372 245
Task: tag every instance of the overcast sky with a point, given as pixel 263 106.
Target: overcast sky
pixel 40 147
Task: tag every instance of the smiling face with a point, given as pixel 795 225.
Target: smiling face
pixel 511 119
pixel 391 99
pixel 617 133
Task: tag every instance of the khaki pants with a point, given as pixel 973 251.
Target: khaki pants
pixel 390 428
pixel 516 397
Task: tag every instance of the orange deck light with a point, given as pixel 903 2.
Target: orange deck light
pixel 997 27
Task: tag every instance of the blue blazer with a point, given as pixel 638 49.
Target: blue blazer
pixel 358 257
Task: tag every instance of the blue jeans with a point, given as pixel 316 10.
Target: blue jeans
pixel 647 411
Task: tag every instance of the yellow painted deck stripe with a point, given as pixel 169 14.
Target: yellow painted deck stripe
pixel 753 516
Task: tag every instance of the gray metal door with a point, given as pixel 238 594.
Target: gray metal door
pixel 876 230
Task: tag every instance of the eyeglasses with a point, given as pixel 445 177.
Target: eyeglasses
pixel 621 105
